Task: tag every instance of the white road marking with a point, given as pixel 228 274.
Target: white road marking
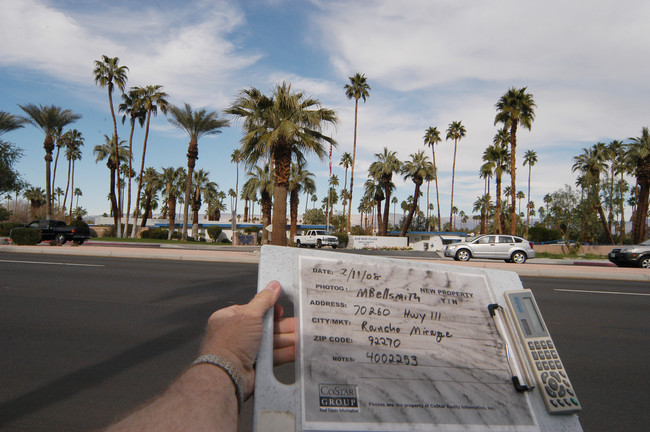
pixel 52 263
pixel 602 292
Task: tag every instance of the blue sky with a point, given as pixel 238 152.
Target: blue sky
pixel 428 62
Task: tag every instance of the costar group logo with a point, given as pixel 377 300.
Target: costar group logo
pixel 338 397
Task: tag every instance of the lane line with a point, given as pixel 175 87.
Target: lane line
pixel 52 263
pixel 602 292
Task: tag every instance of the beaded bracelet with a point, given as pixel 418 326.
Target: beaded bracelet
pixel 230 369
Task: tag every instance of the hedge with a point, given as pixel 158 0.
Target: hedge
pixel 26 236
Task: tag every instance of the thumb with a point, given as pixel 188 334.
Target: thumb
pixel 266 298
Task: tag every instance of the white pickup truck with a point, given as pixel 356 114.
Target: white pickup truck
pixel 316 238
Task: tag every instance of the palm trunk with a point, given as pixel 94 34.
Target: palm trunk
pixel 282 163
pixel 266 215
pixel 192 156
pixel 497 209
pixel 72 195
pixel 414 205
pixel 134 232
pixel 453 178
pixel 380 219
pixel 128 199
pixel 528 203
pixel 171 213
pixel 114 207
pixel 48 145
pixel 513 178
pixel 386 210
pixel 354 156
pixel 147 209
pixel 56 162
pixel 118 208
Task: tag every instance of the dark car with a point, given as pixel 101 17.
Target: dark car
pixel 627 256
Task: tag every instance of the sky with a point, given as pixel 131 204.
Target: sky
pixel 428 63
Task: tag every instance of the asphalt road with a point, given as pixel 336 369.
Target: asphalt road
pixel 84 340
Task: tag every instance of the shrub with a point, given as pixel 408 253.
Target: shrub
pixel 7 226
pixel 155 233
pixel 251 229
pixel 26 236
pixel 343 239
pixel 176 235
pixel 214 232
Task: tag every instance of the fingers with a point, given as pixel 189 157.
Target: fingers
pixel 266 298
pixel 284 355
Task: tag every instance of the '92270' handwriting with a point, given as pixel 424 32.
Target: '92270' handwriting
pixel 361 275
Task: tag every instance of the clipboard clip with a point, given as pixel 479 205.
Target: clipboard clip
pixel 520 375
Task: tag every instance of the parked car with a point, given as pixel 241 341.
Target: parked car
pixel 59 233
pixel 506 247
pixel 627 256
pixel 316 238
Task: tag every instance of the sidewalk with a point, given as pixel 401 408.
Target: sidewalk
pixel 541 267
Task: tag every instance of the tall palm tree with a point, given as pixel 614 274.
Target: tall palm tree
pixel 9 122
pixel 236 157
pixel 132 108
pixel 431 138
pixel 382 170
pixel 345 162
pixel 486 172
pixel 455 131
pixel 515 108
pixel 196 124
pixel 105 151
pixel 281 127
pixel 59 142
pixel 530 159
pixel 152 183
pixel 73 141
pixel 151 99
pixel 418 169
pixel 108 73
pixel 72 154
pixel 639 152
pixel 499 157
pixel 591 163
pixel 202 186
pixel 357 89
pixel 50 120
pixel 173 180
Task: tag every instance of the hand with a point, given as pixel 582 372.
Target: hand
pixel 235 333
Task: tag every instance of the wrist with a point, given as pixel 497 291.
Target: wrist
pixel 230 369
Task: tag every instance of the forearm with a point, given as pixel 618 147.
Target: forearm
pixel 202 399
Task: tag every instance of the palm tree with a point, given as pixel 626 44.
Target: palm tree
pixel 431 138
pixel 357 89
pixel 498 156
pixel 394 201
pixel 50 120
pixel 345 162
pixel 59 142
pixel 299 177
pixel 418 169
pixel 73 142
pixel 9 122
pixel 105 151
pixel 374 195
pixel 591 163
pixel 108 73
pixel 72 154
pixel 280 127
pixel 152 183
pixel 455 131
pixel 173 180
pixel 382 170
pixel 36 198
pixel 77 192
pixel 132 108
pixel 639 153
pixel 151 99
pixel 530 159
pixel 236 157
pixel 486 172
pixel 196 124
pixel 515 108
pixel 202 186
pixel 261 179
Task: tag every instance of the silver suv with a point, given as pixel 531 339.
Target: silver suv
pixel 506 247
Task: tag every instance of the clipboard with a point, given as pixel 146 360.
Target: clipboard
pixel 392 345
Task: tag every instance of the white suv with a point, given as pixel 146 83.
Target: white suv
pixel 499 246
